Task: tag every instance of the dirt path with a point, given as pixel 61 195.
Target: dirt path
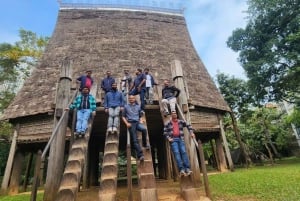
pixel 167 191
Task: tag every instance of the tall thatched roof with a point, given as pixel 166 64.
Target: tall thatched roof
pixel 103 40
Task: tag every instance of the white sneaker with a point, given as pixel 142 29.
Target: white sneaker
pixel 114 129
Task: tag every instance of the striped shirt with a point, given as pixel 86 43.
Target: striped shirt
pixel 168 128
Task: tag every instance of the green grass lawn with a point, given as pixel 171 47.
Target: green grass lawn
pixel 280 182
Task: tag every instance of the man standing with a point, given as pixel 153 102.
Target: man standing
pixel 85 80
pixel 107 82
pixel 149 86
pixel 169 95
pixel 132 118
pixel 113 103
pixel 139 87
pixel 85 104
pixel 173 131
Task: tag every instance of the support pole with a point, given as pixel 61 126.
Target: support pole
pixel 203 169
pixel 227 151
pixel 27 173
pixel 57 150
pixel 10 160
pixel 36 180
pixel 16 173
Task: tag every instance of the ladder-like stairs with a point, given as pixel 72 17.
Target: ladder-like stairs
pixel 109 174
pixel 145 172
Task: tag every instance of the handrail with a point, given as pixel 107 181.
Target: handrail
pixel 128 153
pixel 43 155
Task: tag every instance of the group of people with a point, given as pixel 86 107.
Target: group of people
pixel 132 112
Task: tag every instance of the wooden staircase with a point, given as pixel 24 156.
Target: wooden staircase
pixel 109 174
pixel 145 172
pixel 70 181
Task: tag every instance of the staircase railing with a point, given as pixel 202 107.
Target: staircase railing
pixel 41 157
pixel 201 155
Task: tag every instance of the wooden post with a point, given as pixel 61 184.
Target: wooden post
pixel 227 151
pixel 36 179
pixel 221 156
pixel 177 75
pixel 27 173
pixel 57 150
pixel 203 168
pixel 16 173
pixel 10 160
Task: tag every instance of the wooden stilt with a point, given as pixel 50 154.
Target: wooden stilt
pixel 16 173
pixel 227 151
pixel 10 160
pixel 221 156
pixel 27 172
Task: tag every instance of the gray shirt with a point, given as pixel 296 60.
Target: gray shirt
pixel 132 112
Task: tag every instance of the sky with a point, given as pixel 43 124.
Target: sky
pixel 210 23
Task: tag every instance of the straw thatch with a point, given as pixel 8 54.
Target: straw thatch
pixel 103 40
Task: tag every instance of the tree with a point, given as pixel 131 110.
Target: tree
pixel 269 49
pixel 235 92
pixel 16 63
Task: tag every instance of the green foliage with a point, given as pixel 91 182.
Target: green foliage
pixel 235 92
pixel 267 183
pixel 266 125
pixel 269 49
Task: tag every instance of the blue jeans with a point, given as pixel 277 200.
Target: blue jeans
pixel 178 149
pixel 113 117
pixel 137 126
pixel 83 116
pixel 142 96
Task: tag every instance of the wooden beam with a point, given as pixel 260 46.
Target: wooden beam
pixel 227 151
pixel 16 173
pixel 10 160
pixel 27 172
pixel 57 150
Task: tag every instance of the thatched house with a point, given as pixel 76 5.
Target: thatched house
pixel 101 40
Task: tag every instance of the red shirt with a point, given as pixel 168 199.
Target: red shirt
pixel 88 82
pixel 175 128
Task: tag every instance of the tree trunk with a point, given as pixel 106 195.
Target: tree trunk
pixel 239 139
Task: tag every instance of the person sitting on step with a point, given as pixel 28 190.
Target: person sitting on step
pixel 173 131
pixel 85 104
pixel 169 95
pixel 113 104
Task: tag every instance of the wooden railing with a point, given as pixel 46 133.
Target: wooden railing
pixel 41 155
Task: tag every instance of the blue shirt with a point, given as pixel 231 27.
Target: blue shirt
pixel 132 112
pixel 139 78
pixel 106 83
pixel 113 99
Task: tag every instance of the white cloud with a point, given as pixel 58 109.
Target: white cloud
pixel 210 23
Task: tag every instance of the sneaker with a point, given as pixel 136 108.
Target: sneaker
pixel 141 158
pixel 147 146
pixel 182 173
pixel 81 134
pixel 114 130
pixel 188 172
pixel 110 130
pixel 166 114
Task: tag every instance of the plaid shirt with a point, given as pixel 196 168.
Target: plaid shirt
pixel 168 128
pixel 77 102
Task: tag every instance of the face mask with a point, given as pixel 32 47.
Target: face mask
pixel 114 88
